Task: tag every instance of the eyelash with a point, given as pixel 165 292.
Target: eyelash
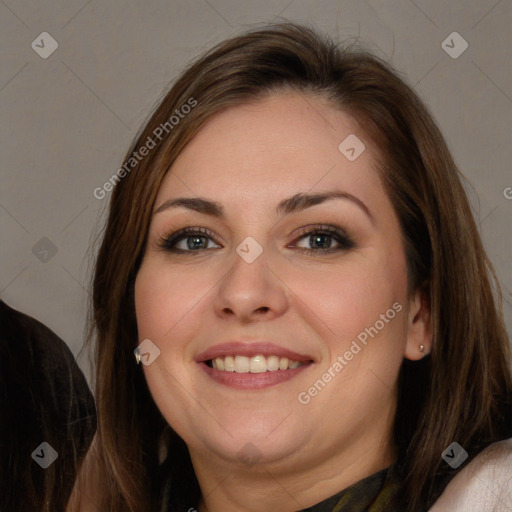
pixel 167 242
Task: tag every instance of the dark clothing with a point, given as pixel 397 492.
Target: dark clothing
pixel 44 398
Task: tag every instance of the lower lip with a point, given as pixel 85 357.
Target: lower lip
pixel 251 380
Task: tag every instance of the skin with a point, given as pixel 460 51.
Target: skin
pixel 249 158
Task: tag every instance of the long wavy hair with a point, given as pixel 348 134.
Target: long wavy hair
pixel 460 392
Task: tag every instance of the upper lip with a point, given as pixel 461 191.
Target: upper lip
pixel 250 349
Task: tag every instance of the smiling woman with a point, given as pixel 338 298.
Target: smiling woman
pixel 302 229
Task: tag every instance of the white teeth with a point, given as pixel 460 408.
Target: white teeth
pixel 258 364
pixel 229 363
pixel 272 363
pixel 241 364
pixel 255 364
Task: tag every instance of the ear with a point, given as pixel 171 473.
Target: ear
pixel 419 325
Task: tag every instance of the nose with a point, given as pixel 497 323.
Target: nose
pixel 251 291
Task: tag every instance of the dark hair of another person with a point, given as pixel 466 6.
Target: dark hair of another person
pixel 44 397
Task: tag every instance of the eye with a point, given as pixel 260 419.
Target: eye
pixel 195 240
pixel 320 238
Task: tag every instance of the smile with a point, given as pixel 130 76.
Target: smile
pixel 252 365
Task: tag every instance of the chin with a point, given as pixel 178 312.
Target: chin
pixel 252 443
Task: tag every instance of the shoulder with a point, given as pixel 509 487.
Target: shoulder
pixel 484 485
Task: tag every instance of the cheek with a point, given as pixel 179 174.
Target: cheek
pixel 351 297
pixel 363 305
pixel 164 298
pixel 165 304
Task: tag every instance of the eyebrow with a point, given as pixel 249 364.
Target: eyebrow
pixel 295 203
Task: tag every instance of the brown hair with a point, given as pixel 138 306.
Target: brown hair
pixel 458 393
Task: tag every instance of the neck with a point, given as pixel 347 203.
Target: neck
pixel 289 485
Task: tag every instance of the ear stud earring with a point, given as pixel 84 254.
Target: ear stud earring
pixel 422 348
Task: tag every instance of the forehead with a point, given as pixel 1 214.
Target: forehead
pixel 285 142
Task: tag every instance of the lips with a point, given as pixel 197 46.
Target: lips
pixel 252 365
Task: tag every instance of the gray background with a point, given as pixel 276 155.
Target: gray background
pixel 69 119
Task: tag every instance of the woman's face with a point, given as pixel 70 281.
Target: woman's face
pixel 274 280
